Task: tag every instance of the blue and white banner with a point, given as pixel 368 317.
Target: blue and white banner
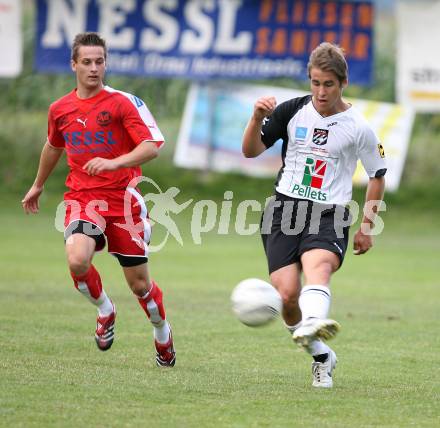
pixel 205 39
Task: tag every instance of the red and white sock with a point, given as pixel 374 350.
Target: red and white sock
pixel 90 286
pixel 152 304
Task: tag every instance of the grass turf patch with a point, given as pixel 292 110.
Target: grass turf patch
pixel 226 375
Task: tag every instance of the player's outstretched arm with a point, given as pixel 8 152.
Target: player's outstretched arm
pixel 252 145
pixel 144 152
pixel 363 240
pixel 49 158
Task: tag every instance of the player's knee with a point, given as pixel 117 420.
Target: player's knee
pixel 138 286
pixel 78 265
pixel 289 294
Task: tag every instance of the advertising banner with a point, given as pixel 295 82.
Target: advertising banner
pixel 418 56
pixel 194 39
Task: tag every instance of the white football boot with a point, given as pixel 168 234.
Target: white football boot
pixel 322 372
pixel 314 329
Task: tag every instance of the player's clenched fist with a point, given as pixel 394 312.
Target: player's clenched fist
pixel 264 107
pixel 97 165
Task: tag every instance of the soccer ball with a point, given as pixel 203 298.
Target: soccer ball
pixel 255 302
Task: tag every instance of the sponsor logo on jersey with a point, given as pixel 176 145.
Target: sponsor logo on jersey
pixel 314 172
pixel 88 138
pixel 104 118
pixel 137 101
pixel 319 151
pixel 300 134
pixel 307 192
pixel 83 122
pixel 381 150
pixel 320 136
pixel 331 124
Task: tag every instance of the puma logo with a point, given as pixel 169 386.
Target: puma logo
pixel 138 241
pixel 83 122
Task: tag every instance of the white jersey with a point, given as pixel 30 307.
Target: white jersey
pixel 320 153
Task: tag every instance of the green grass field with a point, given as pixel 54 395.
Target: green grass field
pixel 226 375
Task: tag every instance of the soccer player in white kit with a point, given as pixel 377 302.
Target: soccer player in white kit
pixel 305 227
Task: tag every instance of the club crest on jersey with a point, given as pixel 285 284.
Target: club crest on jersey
pixel 320 136
pixel 104 118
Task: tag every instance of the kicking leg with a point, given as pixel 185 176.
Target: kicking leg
pixel 314 301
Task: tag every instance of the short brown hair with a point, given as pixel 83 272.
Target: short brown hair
pixel 329 57
pixel 87 39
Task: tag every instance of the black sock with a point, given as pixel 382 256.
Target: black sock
pixel 322 358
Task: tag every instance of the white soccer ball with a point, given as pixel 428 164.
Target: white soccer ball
pixel 255 302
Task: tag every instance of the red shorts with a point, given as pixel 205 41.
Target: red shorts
pixel 119 215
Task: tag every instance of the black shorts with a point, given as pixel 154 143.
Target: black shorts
pixel 305 225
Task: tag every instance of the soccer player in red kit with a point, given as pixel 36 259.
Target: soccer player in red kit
pixel 106 134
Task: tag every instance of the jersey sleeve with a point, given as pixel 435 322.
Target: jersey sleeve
pixel 140 123
pixel 371 153
pixel 54 135
pixel 275 126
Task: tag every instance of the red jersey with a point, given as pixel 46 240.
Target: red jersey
pixel 108 125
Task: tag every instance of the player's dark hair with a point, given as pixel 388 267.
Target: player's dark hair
pixel 87 39
pixel 329 57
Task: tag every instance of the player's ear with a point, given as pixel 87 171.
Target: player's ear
pixel 344 83
pixel 73 65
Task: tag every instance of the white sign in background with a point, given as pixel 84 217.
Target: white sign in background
pixel 10 38
pixel 418 54
pixel 215 117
